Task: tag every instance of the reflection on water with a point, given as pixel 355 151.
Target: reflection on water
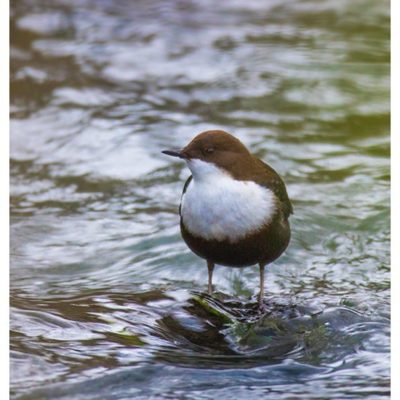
pixel 106 300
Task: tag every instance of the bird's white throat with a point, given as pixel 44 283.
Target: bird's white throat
pixel 215 206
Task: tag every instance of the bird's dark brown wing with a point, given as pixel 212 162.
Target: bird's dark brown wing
pixel 184 189
pixel 276 184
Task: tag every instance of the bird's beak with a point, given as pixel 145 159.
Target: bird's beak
pixel 175 153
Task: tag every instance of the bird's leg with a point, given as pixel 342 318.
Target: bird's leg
pixel 210 266
pixel 261 294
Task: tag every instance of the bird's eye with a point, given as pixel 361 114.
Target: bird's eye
pixel 209 150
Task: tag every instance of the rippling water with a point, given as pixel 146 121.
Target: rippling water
pixel 107 301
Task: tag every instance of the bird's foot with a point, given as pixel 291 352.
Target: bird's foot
pixel 262 308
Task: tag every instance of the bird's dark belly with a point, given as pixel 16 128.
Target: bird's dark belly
pixel 264 246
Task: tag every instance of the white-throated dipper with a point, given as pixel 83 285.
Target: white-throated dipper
pixel 234 209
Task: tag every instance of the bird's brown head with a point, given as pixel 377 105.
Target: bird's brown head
pixel 216 147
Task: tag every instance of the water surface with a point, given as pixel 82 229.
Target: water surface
pixel 106 300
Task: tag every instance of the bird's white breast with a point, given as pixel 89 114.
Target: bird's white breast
pixel 215 206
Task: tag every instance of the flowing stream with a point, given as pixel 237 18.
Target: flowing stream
pixel 107 302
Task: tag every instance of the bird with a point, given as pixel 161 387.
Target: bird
pixel 234 208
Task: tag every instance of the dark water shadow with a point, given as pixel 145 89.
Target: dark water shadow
pixel 224 332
